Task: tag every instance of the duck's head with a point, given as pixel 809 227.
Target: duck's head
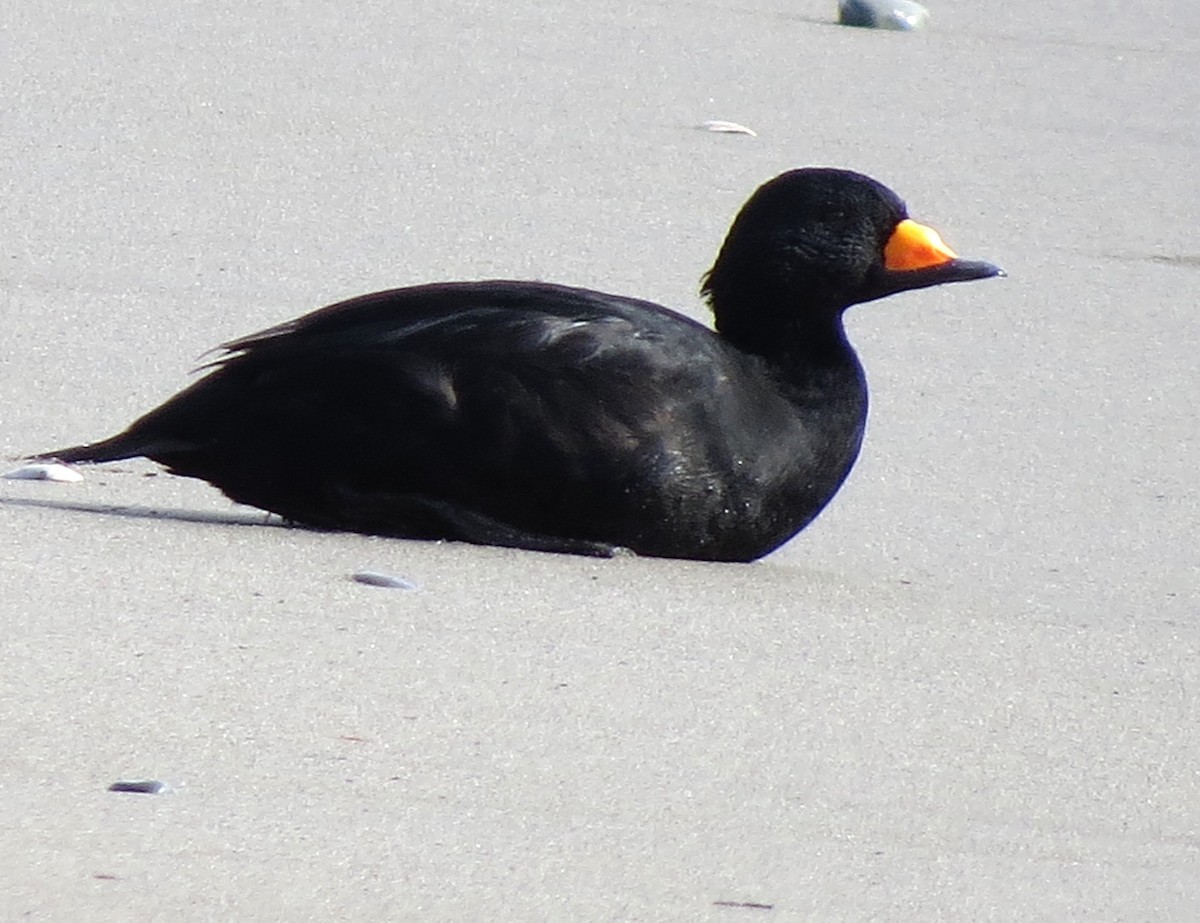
pixel 812 242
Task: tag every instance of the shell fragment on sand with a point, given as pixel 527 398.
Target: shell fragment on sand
pixel 52 471
pixel 898 15
pixel 727 128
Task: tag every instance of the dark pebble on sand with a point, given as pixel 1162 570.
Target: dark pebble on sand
pixel 139 786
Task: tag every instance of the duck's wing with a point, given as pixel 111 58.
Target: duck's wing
pixel 517 404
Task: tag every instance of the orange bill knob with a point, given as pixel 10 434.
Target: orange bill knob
pixel 915 246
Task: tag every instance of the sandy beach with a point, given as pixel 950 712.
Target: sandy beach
pixel 969 691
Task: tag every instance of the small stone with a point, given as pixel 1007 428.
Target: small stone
pixel 140 786
pixel 52 471
pixel 387 581
pixel 899 15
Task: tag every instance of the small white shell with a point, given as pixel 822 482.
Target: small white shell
pixel 728 128
pixel 52 471
pixel 898 15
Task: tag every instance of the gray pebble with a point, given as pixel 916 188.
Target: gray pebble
pixel 140 786
pixel 374 578
pixel 900 15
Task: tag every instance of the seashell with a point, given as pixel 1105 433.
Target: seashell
pixel 387 581
pixel 52 471
pixel 140 786
pixel 728 128
pixel 899 15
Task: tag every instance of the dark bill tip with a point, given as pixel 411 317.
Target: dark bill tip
pixel 965 270
pixel 953 270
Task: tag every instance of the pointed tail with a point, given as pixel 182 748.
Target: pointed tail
pixel 106 450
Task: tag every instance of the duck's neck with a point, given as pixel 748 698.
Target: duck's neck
pixel 814 358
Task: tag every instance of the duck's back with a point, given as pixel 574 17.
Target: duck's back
pixel 547 410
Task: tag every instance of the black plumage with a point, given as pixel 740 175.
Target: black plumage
pixel 561 419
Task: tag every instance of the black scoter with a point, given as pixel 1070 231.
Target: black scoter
pixel 538 416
